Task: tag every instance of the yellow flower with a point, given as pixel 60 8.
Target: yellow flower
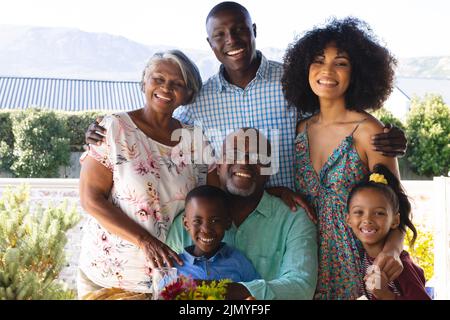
pixel 378 178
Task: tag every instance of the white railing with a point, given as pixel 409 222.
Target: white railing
pixel 37 183
pixel 441 238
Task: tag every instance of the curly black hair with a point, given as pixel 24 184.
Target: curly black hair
pixel 372 75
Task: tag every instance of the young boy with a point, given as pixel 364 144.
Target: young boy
pixel 206 219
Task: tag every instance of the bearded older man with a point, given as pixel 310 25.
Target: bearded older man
pixel 281 245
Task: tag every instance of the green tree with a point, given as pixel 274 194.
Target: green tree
pixel 428 130
pixel 6 141
pixel 76 124
pixel 32 248
pixel 41 143
pixel 386 117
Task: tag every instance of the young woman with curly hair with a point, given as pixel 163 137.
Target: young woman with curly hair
pixel 335 73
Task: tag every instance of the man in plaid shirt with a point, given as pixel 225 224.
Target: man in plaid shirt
pixel 247 92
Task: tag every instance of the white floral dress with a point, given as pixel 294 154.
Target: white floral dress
pixel 150 182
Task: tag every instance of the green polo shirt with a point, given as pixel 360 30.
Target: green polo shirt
pixel 281 244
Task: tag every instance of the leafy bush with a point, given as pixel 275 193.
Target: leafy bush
pixel 6 141
pixel 423 250
pixel 77 123
pixel 428 129
pixel 40 143
pixel 34 142
pixel 32 248
pixel 386 116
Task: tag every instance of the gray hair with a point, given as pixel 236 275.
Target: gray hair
pixel 189 70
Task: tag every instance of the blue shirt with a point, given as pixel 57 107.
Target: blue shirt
pixel 227 263
pixel 282 245
pixel 221 108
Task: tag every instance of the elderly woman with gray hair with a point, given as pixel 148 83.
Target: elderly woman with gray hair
pixel 133 185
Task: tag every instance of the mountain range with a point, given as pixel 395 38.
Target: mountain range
pixel 27 51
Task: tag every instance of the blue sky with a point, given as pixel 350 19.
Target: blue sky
pixel 410 28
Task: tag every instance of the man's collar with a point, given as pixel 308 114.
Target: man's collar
pixel 265 205
pixel 264 68
pixel 263 72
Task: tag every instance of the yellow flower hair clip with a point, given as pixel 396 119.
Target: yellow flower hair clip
pixel 378 178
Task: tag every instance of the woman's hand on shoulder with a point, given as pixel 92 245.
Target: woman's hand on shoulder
pixel 157 253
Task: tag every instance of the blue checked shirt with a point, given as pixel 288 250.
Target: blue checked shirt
pixel 222 108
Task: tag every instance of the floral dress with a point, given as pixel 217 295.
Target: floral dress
pixel 150 182
pixel 339 261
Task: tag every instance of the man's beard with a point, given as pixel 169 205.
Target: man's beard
pixel 231 188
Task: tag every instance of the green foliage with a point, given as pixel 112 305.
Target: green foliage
pixel 77 124
pixel 6 141
pixel 216 290
pixel 386 117
pixel 32 248
pixel 422 251
pixel 43 140
pixel 428 130
pixel 41 145
pixel 5 127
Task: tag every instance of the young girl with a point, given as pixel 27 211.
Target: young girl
pixel 376 206
pixel 336 73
